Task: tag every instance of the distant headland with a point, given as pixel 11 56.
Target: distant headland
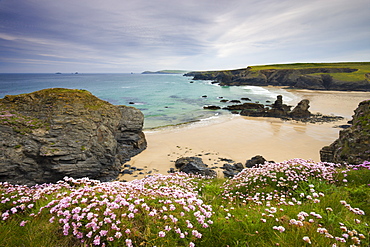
pixel 166 72
pixel 346 76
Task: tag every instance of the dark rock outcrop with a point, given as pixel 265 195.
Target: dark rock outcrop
pixel 211 107
pixel 301 110
pixel 231 170
pixel 245 106
pixel 316 77
pixel 353 144
pixel 53 133
pixel 194 165
pixel 277 109
pixel 254 161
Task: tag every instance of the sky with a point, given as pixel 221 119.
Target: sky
pixel 123 36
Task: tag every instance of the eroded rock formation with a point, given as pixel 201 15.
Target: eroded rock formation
pixel 52 133
pixel 353 144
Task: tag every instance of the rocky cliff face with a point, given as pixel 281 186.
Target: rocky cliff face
pixel 353 144
pixel 310 78
pixel 53 133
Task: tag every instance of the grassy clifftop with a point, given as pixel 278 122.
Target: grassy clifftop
pixel 353 76
pixel 363 68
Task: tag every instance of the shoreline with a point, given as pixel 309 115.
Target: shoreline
pixel 240 138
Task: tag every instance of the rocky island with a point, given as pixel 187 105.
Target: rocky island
pixel 316 76
pixel 52 133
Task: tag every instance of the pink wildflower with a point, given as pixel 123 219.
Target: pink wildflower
pixel 23 223
pixel 128 243
pixel 307 239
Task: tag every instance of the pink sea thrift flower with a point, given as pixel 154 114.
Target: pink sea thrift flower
pixel 279 228
pixel 128 243
pixel 96 240
pixel 23 223
pixel 307 239
pixel 196 234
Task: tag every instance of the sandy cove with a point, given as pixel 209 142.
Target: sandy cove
pixel 240 138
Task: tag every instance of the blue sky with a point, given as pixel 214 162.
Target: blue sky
pixel 136 35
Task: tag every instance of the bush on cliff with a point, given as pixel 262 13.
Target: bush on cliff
pixel 293 203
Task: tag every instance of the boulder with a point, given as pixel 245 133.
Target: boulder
pixel 194 165
pixel 211 107
pixel 53 133
pixel 254 161
pixel 232 170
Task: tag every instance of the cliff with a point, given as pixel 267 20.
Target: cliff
pixel 333 76
pixel 353 144
pixel 165 72
pixel 52 133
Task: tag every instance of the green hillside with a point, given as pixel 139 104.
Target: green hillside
pixel 359 75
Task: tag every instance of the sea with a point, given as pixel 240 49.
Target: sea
pixel 164 99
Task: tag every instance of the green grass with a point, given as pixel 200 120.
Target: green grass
pixel 242 212
pixel 364 65
pixel 363 68
pixel 359 75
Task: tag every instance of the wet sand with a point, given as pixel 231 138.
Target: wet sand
pixel 239 138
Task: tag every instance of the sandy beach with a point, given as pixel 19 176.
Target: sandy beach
pixel 240 138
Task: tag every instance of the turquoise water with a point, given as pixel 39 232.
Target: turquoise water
pixel 164 99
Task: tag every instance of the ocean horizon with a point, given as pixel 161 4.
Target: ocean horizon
pixel 164 99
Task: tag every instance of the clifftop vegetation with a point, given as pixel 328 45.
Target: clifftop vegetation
pixel 293 203
pixel 320 76
pixel 362 68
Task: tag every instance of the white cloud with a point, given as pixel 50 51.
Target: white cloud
pixel 160 34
